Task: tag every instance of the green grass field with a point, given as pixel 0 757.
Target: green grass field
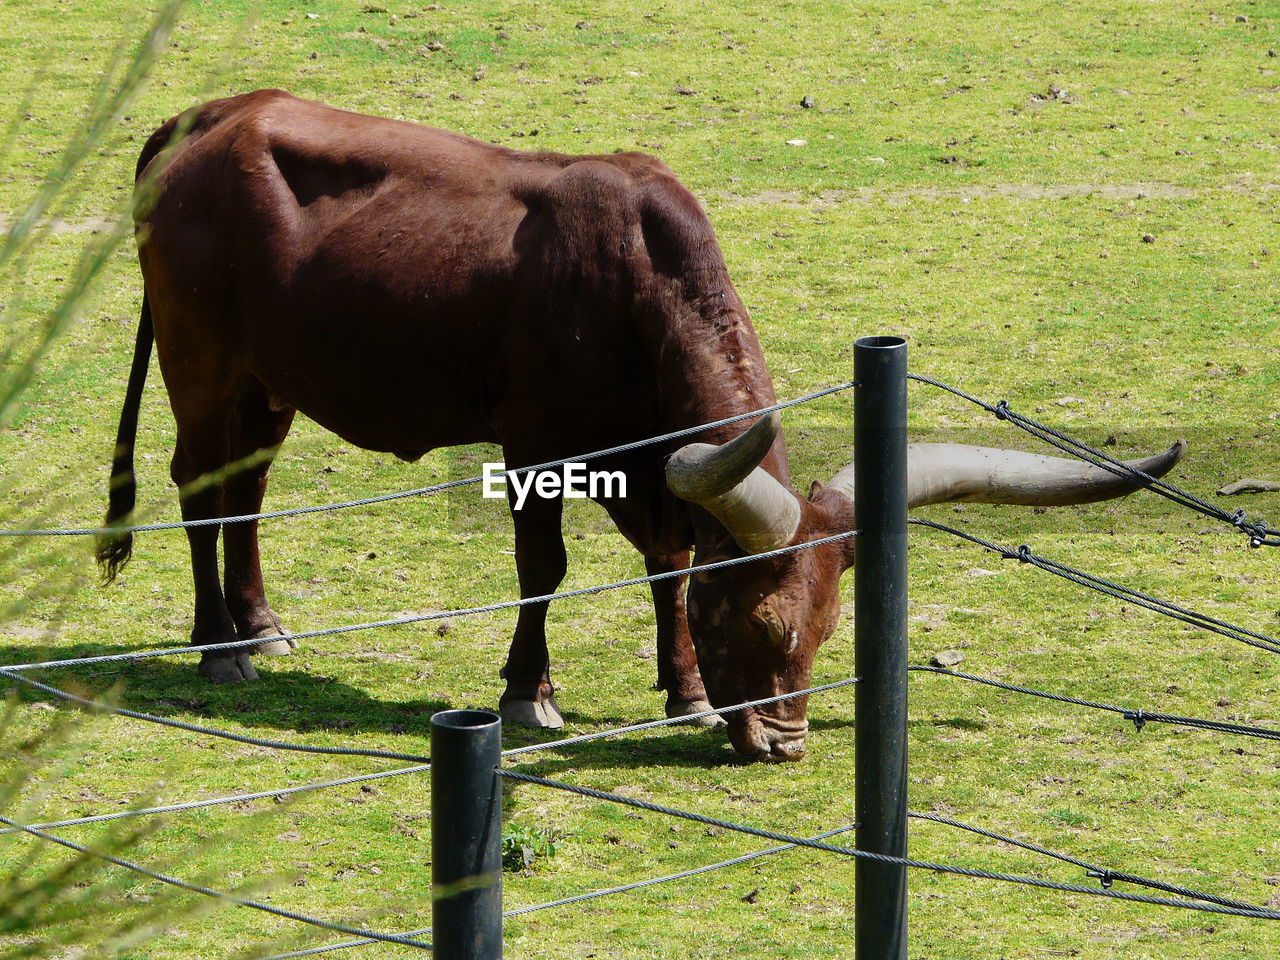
pixel 977 179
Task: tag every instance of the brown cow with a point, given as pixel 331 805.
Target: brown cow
pixel 410 288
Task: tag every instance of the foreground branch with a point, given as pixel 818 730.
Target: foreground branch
pixel 1249 485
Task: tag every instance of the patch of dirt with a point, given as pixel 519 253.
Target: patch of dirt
pixel 45 632
pixel 829 198
pixel 1014 191
pixel 91 225
pixel 381 656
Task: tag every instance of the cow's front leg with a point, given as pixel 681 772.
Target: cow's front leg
pixel 529 699
pixel 677 662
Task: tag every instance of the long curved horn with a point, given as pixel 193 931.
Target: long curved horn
pixel 759 512
pixel 943 472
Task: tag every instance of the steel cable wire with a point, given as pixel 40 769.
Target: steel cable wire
pixel 1259 533
pixel 1014 688
pixel 1252 911
pixel 222 801
pixel 1139 717
pixel 593 895
pixel 424 617
pixel 219 894
pixel 361 778
pixel 1105 876
pixel 668 721
pixel 423 491
pixel 682 875
pixel 791 843
pixel 1114 590
pixel 94 705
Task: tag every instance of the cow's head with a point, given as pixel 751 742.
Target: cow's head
pixel 756 626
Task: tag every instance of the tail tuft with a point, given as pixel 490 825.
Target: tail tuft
pixel 114 551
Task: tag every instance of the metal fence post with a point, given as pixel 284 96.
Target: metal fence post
pixel 880 645
pixel 466 835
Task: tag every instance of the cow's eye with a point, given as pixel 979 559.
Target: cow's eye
pixel 765 618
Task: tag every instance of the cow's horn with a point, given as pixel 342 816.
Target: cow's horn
pixel 943 472
pixel 759 512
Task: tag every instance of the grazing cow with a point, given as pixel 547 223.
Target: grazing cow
pixel 410 288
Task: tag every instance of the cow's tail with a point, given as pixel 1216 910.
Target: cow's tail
pixel 116 546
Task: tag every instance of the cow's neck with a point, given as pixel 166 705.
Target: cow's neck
pixel 716 369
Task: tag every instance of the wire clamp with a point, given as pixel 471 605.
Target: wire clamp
pixel 1001 410
pixel 1024 553
pixel 1255 528
pixel 1138 717
pixel 1104 877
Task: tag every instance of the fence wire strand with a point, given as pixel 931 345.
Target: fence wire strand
pixel 1104 875
pixel 424 617
pixel 682 875
pixel 94 705
pixel 222 801
pixel 1139 717
pixel 231 898
pixel 98 706
pixel 1249 910
pixel 1257 530
pixel 428 490
pixel 593 895
pixel 1111 589
pixel 1260 534
pixel 668 721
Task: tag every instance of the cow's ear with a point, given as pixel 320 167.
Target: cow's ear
pixel 815 488
pixel 726 549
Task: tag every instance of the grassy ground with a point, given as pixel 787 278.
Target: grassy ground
pixel 978 180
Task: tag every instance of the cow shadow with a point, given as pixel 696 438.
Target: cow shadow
pixel 298 701
pixel 290 700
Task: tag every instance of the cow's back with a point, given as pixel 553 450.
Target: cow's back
pixel 410 288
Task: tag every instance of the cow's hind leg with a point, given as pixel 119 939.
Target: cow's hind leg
pixel 257 429
pixel 196 461
pixel 677 662
pixel 541 564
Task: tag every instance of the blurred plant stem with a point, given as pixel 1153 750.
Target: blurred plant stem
pixel 54 902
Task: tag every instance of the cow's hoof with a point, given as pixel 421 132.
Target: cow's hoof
pixel 689 708
pixel 527 713
pixel 232 668
pixel 274 642
pixel 273 646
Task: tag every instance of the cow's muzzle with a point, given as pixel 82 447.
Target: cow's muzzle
pixel 768 739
